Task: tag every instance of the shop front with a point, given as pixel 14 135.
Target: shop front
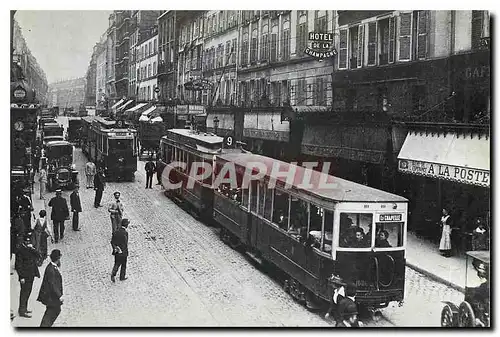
pixel 446 169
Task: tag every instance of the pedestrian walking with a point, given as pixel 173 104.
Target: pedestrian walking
pixel 445 242
pixel 480 236
pixel 59 214
pixel 119 242
pixel 25 208
pixel 42 178
pixel 116 212
pixel 76 207
pixel 159 170
pixel 150 168
pixel 27 269
pixel 99 185
pixel 40 235
pixel 51 290
pixel 37 154
pixel 90 172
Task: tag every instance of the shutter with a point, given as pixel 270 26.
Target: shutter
pixel 274 47
pixel 361 45
pixel 405 36
pixel 343 49
pixel 392 39
pixel 422 24
pixel 372 43
pixel 477 29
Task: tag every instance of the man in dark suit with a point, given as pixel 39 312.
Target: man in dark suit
pixel 27 270
pixel 99 184
pixel 76 207
pixel 51 290
pixel 119 242
pixel 59 214
pixel 150 168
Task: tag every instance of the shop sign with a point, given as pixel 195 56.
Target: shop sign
pixel 321 45
pixel 477 72
pixel 450 172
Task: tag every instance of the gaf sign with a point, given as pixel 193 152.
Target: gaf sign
pixel 321 45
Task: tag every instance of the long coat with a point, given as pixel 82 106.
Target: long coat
pixel 51 289
pixel 76 205
pixel 120 239
pixel 99 181
pixel 26 262
pixel 60 210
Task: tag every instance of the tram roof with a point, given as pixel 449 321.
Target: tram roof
pixel 201 136
pixel 58 143
pixel 342 190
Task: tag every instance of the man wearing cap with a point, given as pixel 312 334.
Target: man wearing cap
pixel 150 168
pixel 119 242
pixel 76 206
pixel 25 208
pixel 116 212
pixel 59 214
pixel 27 269
pixel 51 290
pixel 349 314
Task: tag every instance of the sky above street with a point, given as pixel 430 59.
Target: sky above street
pixel 62 41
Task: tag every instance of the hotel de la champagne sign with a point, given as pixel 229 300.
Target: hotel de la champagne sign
pixel 321 45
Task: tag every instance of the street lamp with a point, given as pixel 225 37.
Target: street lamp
pixel 216 124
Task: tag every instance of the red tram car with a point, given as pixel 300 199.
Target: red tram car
pixel 321 238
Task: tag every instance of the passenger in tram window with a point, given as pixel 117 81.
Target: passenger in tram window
pixel 381 240
pixel 359 239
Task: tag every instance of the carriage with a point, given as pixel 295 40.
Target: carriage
pixel 474 311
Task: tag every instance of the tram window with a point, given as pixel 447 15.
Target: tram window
pixel 169 153
pixel 105 145
pixel 328 231
pixel 245 197
pixel 281 208
pixel 253 196
pixel 389 235
pixel 262 195
pixel 268 204
pixel 355 230
pixel 120 144
pixel 298 215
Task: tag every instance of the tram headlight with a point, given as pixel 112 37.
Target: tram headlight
pixel 394 206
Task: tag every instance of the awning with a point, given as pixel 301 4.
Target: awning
pixel 143 118
pixel 148 111
pixel 157 120
pixel 451 157
pixel 124 105
pixel 137 107
pixel 117 103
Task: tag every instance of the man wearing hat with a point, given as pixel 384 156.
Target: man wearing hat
pixel 26 208
pixel 59 214
pixel 51 290
pixel 76 206
pixel 99 184
pixel 27 269
pixel 119 242
pixel 349 314
pixel 116 212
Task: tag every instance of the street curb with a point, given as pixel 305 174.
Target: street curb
pixel 435 277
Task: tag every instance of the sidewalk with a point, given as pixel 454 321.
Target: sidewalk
pixel 423 256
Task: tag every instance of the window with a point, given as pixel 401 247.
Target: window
pixel 147 51
pixel 320 23
pixel 320 92
pixel 299 214
pixel 372 43
pixel 253 196
pixel 355 45
pixel 281 209
pixel 300 92
pixel 253 47
pixel 154 68
pixel 244 49
pixel 276 99
pixel 264 43
pixel 285 40
pixel 233 51
pixel 389 235
pixel 392 39
pixel 154 46
pixel 480 29
pixel 268 203
pixel 405 23
pixel 274 43
pixel 149 93
pixel 302 34
pixel 261 195
pixel 149 70
pixel 422 29
pixel 285 91
pixel 343 49
pixel 355 230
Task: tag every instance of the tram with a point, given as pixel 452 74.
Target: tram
pixel 112 145
pixel 322 238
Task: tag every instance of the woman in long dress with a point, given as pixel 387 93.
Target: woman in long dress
pixel 41 233
pixel 445 243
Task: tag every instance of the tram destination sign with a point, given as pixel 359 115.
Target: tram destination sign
pixel 390 217
pixel 321 45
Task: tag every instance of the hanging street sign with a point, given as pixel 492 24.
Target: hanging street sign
pixel 321 45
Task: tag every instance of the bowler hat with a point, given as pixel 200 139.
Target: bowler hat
pixel 347 307
pixel 58 190
pixel 55 255
pixel 125 222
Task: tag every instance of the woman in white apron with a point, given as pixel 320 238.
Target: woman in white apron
pixel 445 243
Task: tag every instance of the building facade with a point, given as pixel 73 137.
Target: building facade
pixel 111 92
pixel 33 73
pixel 147 65
pixel 100 84
pixel 68 93
pixel 122 52
pixel 90 76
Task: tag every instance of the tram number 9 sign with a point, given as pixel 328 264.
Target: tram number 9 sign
pixel 229 142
